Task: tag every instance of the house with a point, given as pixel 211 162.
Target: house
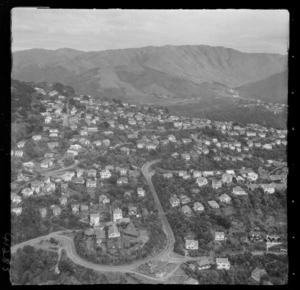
pixel 223 263
pixel 122 180
pixel 225 198
pixel 186 210
pixel 268 188
pixel 105 174
pixel 207 173
pixel 174 200
pixel 113 231
pixel 132 210
pixel 203 264
pixel 78 180
pixel 17 210
pixel 91 183
pixel 230 171
pixel 213 204
pixel 184 199
pixel 19 153
pixel 103 199
pixel 117 214
pixel 198 206
pixel 201 181
pixel 43 212
pixel 37 137
pixel 140 192
pixel 75 208
pixel 21 144
pixel 63 201
pixel 197 174
pixel 227 178
pixel 219 236
pixel 94 219
pixel 256 236
pixel 238 191
pixel 272 238
pixel 257 274
pixel 92 172
pixel 15 198
pixel 216 184
pixel 56 210
pixel 267 146
pixel 171 138
pixel 27 192
pixel 100 235
pixel 191 281
pixel 84 208
pixel 168 175
pixel 191 244
pixel 127 194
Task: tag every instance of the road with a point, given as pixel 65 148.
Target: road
pixel 53 172
pixel 166 226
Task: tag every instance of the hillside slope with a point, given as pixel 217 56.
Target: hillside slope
pixel 271 89
pixel 169 70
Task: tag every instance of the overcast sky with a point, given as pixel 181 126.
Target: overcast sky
pixel 93 30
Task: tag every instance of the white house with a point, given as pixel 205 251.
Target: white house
pixel 201 181
pixel 219 236
pixel 105 174
pixel 223 263
pixel 225 198
pixel 174 200
pixel 191 244
pixel 17 210
pixel 238 191
pixel 140 192
pixel 27 192
pixel 117 214
pixel 36 137
pixel 94 219
pixel 198 206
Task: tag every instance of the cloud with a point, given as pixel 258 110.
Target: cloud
pixel 117 28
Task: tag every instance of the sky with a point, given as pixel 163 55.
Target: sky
pixel 263 31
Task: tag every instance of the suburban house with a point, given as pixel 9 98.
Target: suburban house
pixel 191 244
pixel 75 208
pixel 27 192
pixel 268 188
pixel 203 264
pixel 216 183
pixel 100 235
pixel 223 263
pixel 207 173
pixel 219 236
pixel 103 199
pixel 94 219
pixel 201 181
pixel 213 204
pixel 132 210
pixel 117 214
pixel 105 174
pixel 17 210
pixel 186 210
pixel 91 183
pixel 43 212
pixel 113 231
pixel 122 180
pixel 227 178
pixel 225 198
pixel 184 199
pixel 174 200
pixel 56 210
pixel 257 274
pixel 238 191
pixel 198 206
pixel 168 175
pixel 140 192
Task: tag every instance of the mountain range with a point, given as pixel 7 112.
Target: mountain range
pixel 156 74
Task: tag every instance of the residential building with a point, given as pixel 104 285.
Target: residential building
pixel 238 191
pixel 225 198
pixel 219 236
pixel 198 206
pixel 223 263
pixel 191 244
